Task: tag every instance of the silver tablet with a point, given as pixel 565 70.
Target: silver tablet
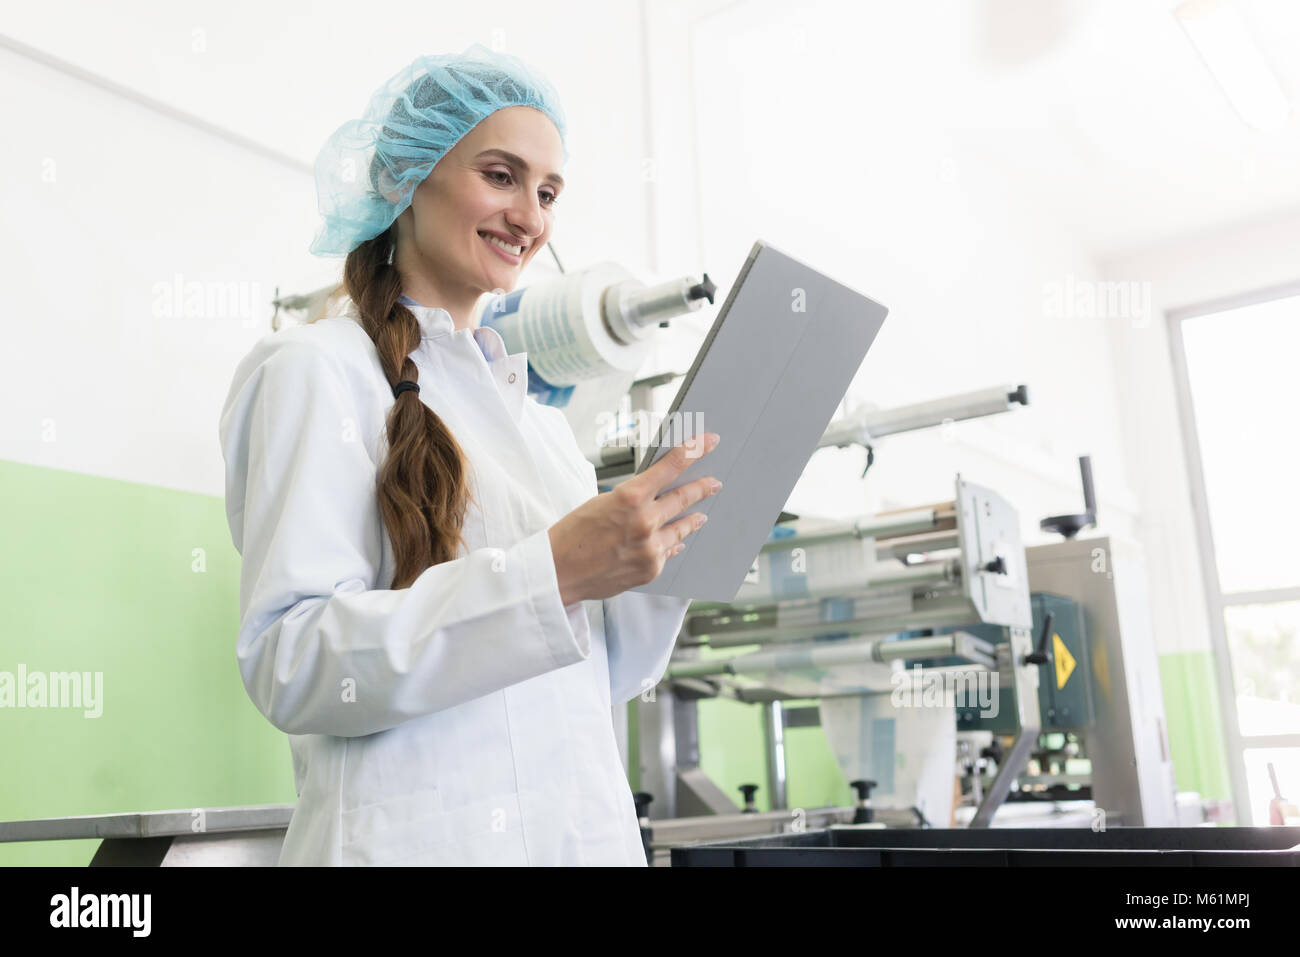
pixel 779 358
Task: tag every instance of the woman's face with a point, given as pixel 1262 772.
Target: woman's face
pixel 501 180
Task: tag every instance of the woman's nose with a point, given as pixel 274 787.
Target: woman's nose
pixel 526 217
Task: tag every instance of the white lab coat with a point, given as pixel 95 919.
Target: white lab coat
pixel 465 719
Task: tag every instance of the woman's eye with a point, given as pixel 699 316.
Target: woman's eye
pixel 551 198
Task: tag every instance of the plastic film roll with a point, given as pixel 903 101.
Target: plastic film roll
pixel 560 323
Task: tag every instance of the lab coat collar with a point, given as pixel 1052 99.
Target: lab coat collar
pixel 511 376
pixel 434 322
pixel 490 343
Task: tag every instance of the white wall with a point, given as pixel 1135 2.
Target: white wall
pixel 107 203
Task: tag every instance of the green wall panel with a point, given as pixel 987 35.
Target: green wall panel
pixel 141 585
pixel 1193 712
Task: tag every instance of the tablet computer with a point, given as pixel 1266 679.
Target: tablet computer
pixel 772 371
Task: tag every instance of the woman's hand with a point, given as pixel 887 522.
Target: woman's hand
pixel 618 540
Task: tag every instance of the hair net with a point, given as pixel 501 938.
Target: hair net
pixel 410 124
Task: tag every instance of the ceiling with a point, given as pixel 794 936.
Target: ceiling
pixel 1104 115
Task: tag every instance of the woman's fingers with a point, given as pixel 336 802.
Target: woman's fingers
pixel 674 535
pixel 666 471
pixel 680 499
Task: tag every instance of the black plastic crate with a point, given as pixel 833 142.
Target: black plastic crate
pixel 1004 847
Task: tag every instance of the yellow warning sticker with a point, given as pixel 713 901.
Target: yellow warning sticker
pixel 1064 661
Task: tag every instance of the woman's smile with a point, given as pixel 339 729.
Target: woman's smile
pixel 498 248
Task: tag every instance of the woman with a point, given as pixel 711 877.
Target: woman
pixel 433 596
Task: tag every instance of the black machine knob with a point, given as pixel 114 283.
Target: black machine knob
pixel 748 790
pixel 704 289
pixel 862 815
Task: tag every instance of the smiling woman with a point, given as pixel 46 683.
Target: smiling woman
pixel 461 154
pixel 444 663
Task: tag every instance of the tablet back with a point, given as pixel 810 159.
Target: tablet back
pixel 779 358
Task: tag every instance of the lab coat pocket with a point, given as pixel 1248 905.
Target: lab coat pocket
pixel 416 829
pixel 378 820
pixel 377 832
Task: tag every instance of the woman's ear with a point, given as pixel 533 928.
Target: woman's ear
pixel 388 186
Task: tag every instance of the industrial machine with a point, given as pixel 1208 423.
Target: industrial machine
pixel 935 645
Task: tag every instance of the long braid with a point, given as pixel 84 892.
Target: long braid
pixel 422 484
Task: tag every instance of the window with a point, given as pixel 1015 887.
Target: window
pixel 1235 363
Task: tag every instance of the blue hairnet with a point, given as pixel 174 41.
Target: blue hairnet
pixel 410 124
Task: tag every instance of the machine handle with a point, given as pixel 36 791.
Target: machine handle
pixel 1071 525
pixel 1043 654
pixel 1089 496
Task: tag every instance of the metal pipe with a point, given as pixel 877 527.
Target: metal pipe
pixel 814 655
pixel 860 428
pixel 936 646
pixel 921 573
pixel 883 579
pixel 774 741
pixel 934 613
pixel 699 669
pixel 824 655
pixel 910 522
pixel 898 550
pixel 863 426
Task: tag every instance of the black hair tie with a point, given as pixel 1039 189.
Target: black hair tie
pixel 404 386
